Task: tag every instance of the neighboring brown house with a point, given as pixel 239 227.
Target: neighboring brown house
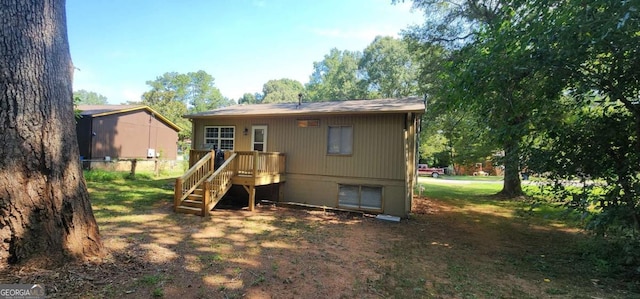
pixel 356 155
pixel 125 132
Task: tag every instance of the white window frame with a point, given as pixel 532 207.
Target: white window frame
pixel 344 143
pixel 215 142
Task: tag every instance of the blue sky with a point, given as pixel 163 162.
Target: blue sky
pixel 118 45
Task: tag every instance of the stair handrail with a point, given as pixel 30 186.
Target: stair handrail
pixel 191 179
pixel 215 183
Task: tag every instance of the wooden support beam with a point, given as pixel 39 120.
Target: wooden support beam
pixel 252 198
pixel 177 194
pixel 280 192
pixel 251 189
pixel 205 199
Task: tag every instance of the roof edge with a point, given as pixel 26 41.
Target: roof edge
pixel 142 107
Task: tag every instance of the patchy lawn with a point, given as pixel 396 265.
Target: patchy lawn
pixel 457 244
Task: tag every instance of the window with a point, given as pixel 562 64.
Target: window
pixel 219 137
pixel 340 140
pixel 360 197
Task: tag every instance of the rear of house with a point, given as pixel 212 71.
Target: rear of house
pixel 357 155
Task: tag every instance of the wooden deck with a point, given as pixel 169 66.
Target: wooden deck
pixel 202 186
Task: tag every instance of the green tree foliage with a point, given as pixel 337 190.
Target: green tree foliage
pixel 388 69
pixel 598 139
pixel 462 139
pixel 385 69
pixel 282 91
pixel 560 78
pixel 335 78
pixel 250 98
pixel 591 159
pixel 85 97
pixel 202 95
pixel 494 71
pixel 174 95
pixel 467 137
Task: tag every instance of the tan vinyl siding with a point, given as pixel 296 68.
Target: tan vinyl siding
pixel 378 146
pixel 323 191
pixel 383 149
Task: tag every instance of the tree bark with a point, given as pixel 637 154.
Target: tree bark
pixel 512 185
pixel 45 213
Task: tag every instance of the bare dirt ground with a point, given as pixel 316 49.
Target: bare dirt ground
pixel 443 251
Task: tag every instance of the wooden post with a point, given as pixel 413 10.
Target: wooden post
pixel 156 169
pixel 252 198
pixel 205 198
pixel 212 167
pixel 255 165
pixel 252 190
pixel 134 162
pixel 280 192
pixel 177 194
pixel 235 166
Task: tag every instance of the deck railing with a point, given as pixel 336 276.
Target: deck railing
pixel 218 183
pixel 197 174
pixel 260 163
pixel 195 155
pixel 267 163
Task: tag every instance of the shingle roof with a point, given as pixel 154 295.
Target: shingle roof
pixel 401 105
pixel 103 110
pixel 106 109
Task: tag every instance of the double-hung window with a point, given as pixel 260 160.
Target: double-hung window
pixel 340 141
pixel 219 137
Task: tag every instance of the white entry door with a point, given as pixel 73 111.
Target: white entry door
pixel 259 138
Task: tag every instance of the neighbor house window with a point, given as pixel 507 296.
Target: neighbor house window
pixel 340 140
pixel 360 197
pixel 219 137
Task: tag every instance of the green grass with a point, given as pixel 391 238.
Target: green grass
pixel 115 194
pixel 533 207
pixel 474 246
pixel 459 191
pixel 556 250
pixel 490 178
pixel 151 279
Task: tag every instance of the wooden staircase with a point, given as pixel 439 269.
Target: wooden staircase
pixel 193 203
pixel 202 186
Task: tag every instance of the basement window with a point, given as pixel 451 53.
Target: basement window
pixel 360 197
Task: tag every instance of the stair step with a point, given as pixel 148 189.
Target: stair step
pixel 189 210
pixel 198 191
pixel 195 197
pixel 192 203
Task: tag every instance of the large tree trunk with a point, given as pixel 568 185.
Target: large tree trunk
pixel 45 213
pixel 512 184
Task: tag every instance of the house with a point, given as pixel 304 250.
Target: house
pixel 355 155
pixel 109 132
